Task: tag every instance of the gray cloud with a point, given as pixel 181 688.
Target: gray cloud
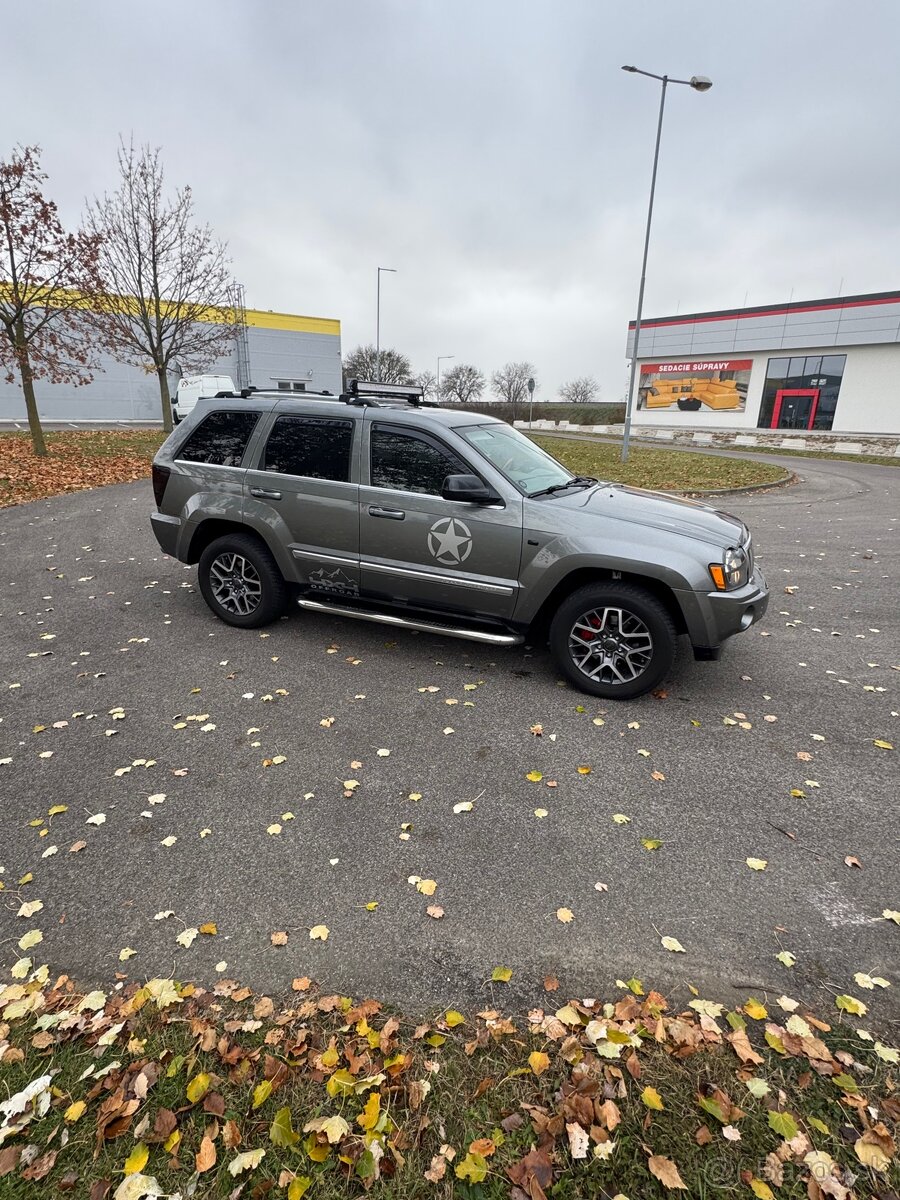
pixel 491 151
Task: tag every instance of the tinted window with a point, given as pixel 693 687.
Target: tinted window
pixel 310 446
pixel 221 439
pixel 408 463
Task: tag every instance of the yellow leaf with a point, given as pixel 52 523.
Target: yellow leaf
pixel 757 864
pixel 136 1160
pixel 870 1153
pixel 652 1099
pixel 210 929
pixel 57 809
pixel 621 819
pixel 473 1167
pixel 673 944
pixel 851 1005
pixel 319 933
pixel 198 1087
pixel 882 745
pixel 501 974
pixel 565 915
pixel 435 1039
pixel 368 1118
pixel 32 938
pixel 762 1190
pixel 584 770
pixel 371 906
pixel 426 887
pixel 298 1187
pixel 754 1009
pixel 534 776
pixel 651 843
pixel 538 1061
pixel 330 1057
pixel 74 1111
pixel 262 1092
pixel 452 1018
pixel 249 1160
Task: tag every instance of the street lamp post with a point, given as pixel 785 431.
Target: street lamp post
pixel 441 358
pixel 700 84
pixel 393 271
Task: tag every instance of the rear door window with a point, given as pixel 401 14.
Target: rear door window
pixel 313 447
pixel 220 439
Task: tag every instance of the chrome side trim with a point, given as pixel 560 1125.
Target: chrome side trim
pixel 335 558
pixel 381 618
pixel 496 589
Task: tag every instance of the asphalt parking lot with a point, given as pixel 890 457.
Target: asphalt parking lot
pixel 124 700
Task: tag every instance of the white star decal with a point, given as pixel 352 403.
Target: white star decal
pixel 450 541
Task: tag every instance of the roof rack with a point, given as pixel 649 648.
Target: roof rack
pixel 367 393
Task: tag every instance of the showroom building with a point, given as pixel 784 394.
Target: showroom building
pixel 270 350
pixel 830 364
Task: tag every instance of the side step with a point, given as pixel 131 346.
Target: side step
pixel 382 618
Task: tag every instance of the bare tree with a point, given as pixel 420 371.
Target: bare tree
pixel 168 282
pixel 462 384
pixel 363 364
pixel 46 276
pixel 583 390
pixel 427 381
pixel 510 383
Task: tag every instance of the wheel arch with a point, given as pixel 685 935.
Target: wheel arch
pixel 582 576
pixel 212 528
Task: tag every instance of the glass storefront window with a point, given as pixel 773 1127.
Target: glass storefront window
pixel 814 373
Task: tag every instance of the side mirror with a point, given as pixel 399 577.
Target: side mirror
pixel 469 489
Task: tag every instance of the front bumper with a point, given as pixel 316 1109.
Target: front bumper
pixel 713 617
pixel 166 530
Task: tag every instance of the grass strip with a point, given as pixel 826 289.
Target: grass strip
pixel 174 1089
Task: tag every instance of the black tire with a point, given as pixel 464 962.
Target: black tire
pixel 644 624
pixel 261 594
pixel 689 405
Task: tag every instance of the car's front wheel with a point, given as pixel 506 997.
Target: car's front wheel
pixel 241 582
pixel 613 640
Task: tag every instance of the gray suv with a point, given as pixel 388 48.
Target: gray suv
pixel 446 521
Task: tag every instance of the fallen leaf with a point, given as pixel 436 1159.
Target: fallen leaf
pixel 319 933
pixel 248 1161
pixel 665 1170
pixel 136 1160
pixel 206 1155
pixel 673 944
pixel 578 1140
pixel 501 974
pixel 652 1099
pixel 565 915
pixel 279 938
pixel 538 1061
pixel 757 864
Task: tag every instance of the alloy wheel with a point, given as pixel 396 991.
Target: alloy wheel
pixel 610 645
pixel 235 584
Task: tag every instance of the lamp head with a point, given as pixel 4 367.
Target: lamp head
pixel 700 83
pixel 629 68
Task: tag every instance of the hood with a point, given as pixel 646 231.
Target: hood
pixel 690 518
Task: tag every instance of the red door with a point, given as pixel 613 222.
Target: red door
pixel 795 408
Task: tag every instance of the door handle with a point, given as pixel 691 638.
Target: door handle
pixel 392 514
pixel 265 494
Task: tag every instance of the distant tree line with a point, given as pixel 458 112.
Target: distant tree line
pixel 463 383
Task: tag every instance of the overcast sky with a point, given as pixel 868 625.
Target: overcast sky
pixel 492 151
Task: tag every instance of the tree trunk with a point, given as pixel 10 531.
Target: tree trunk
pixel 34 420
pixel 165 398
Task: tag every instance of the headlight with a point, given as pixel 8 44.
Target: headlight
pixel 733 571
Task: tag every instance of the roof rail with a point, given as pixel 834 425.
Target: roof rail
pixel 367 393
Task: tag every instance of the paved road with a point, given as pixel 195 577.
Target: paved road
pixel 129 629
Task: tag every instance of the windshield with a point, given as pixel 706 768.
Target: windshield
pixel 522 462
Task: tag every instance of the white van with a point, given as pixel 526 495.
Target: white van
pixel 198 387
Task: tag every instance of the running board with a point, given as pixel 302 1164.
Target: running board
pixel 382 618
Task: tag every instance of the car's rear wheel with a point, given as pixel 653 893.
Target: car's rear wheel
pixel 613 640
pixel 241 582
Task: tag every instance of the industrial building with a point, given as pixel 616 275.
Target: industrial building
pixel 829 365
pixel 270 350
